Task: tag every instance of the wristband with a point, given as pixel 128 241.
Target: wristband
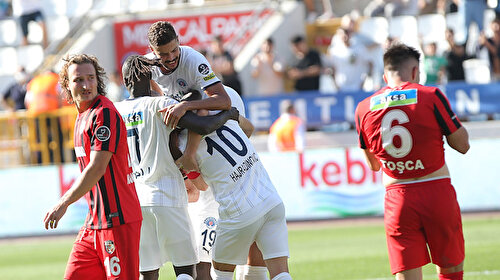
pixel 193 175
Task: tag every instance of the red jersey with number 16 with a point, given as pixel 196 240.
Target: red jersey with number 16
pixel 404 128
pixel 113 200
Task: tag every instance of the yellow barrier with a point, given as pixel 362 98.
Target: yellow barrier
pixel 43 139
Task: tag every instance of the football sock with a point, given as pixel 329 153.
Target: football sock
pixel 250 272
pixel 221 275
pixel 283 276
pixel 452 276
pixel 184 277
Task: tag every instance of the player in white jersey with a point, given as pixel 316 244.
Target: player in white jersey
pixel 166 234
pixel 182 70
pixel 250 209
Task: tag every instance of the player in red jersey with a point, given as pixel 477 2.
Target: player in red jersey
pixel 401 130
pixel 107 246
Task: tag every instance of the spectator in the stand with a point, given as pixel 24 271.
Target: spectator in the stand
pixel 26 11
pixel 391 8
pixel 4 8
pixel 268 70
pixel 455 58
pixel 350 63
pixel 222 64
pixel 116 90
pixel 13 97
pixel 432 7
pixel 305 72
pixel 42 96
pixel 434 65
pixel 287 133
pixel 472 11
pixel 493 46
pixel 312 14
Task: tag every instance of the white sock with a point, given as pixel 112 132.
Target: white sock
pixel 240 272
pixel 184 277
pixel 255 273
pixel 221 275
pixel 283 276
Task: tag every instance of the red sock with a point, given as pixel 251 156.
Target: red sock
pixel 452 276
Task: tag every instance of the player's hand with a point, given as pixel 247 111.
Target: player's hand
pixel 173 113
pixel 187 163
pixel 235 114
pixel 53 216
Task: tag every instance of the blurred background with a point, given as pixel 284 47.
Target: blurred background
pixel 314 59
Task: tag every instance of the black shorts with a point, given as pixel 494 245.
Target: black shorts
pixel 25 19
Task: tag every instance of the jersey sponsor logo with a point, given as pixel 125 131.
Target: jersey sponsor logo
pixel 133 119
pixel 393 98
pixel 109 245
pixel 182 83
pixel 203 69
pixel 210 222
pixel 209 77
pixel 103 133
pixel 402 166
pixel 80 151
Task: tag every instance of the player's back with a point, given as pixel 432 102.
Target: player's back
pixel 232 168
pixel 404 128
pixel 158 180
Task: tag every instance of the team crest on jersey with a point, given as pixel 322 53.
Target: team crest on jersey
pixel 102 133
pixel 392 98
pixel 182 83
pixel 210 222
pixel 109 245
pixel 203 69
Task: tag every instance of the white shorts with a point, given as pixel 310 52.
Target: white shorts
pixel 166 235
pixel 204 219
pixel 269 231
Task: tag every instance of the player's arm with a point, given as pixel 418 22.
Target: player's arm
pixel 246 126
pixel 218 100
pixel 459 140
pixel 192 191
pixel 372 161
pixel 207 124
pixel 155 87
pixel 91 174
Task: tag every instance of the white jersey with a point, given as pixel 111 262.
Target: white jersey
pixel 231 167
pixel 158 181
pixel 192 73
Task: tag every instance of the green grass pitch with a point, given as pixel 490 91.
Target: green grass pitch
pixel 334 250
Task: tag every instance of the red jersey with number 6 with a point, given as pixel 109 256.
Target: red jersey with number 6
pixel 113 200
pixel 404 128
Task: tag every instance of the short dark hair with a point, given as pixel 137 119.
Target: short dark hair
pixel 161 33
pixel 270 41
pixel 135 68
pixel 297 39
pixel 81 59
pixel 397 54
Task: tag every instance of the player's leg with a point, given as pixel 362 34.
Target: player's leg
pixel 255 269
pixel 443 228
pixel 203 271
pixel 177 240
pixel 222 271
pixel 150 275
pixel 186 272
pixel 406 243
pixel 410 274
pixel 84 262
pixel 272 239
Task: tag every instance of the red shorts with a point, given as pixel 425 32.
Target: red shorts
pixel 106 253
pixel 423 214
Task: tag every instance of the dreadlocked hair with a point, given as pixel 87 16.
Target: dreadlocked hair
pixel 137 67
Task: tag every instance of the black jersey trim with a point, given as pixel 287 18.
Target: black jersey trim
pixel 441 121
pixel 443 100
pixel 117 197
